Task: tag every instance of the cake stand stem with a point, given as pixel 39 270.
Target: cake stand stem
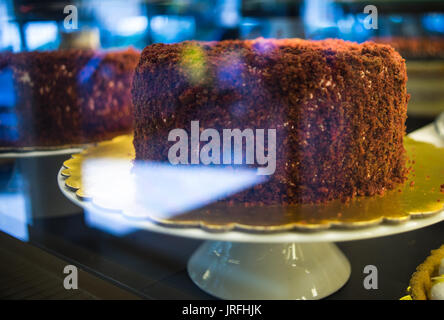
pixel 234 270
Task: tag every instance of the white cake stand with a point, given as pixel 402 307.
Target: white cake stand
pixel 285 265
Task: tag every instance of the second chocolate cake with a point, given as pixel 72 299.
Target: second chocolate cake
pixel 338 109
pixel 65 97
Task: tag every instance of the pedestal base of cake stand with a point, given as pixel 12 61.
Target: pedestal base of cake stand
pixel 238 270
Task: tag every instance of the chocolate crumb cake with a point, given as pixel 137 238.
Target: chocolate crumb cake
pixel 65 97
pixel 338 108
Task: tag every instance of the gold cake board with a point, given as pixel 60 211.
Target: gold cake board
pixel 420 196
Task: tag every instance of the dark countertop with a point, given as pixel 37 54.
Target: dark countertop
pixel 153 265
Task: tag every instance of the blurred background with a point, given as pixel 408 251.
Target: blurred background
pixel 38 25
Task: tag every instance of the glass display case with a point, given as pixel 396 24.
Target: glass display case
pixel 94 96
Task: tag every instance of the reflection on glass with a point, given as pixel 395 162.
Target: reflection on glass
pixel 116 224
pixel 160 189
pixel 40 35
pixel 8 117
pixel 14 213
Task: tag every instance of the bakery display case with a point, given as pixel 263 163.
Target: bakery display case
pixel 224 149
